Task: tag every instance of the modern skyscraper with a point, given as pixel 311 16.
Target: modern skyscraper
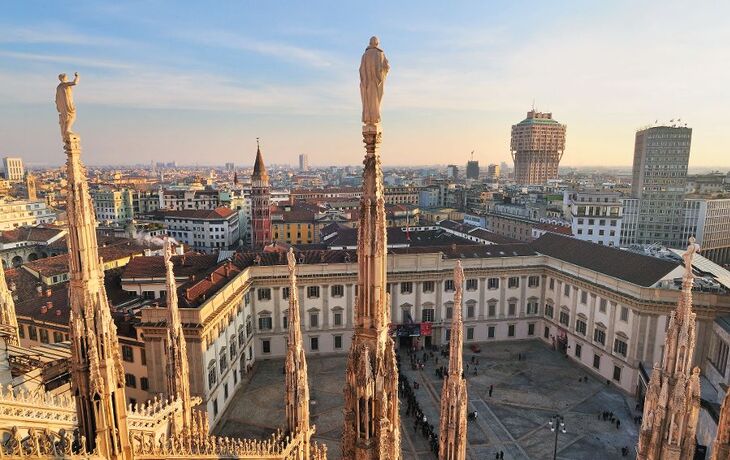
pixel 537 145
pixel 493 171
pixel 661 156
pixel 260 203
pixel 303 162
pixel 14 171
pixel 472 169
pixel 452 171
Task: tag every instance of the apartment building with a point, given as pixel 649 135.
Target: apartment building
pixel 206 231
pixel 594 216
pixel 24 213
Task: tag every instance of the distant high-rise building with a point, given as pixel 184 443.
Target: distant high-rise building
pixel 303 162
pixel 493 171
pixel 661 156
pixel 230 167
pixel 452 171
pixel 14 171
pixel 472 169
pixel 537 146
pixel 260 203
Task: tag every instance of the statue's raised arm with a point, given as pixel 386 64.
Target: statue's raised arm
pixel 65 104
pixel 373 70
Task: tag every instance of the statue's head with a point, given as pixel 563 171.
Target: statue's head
pixel 62 77
pixel 374 41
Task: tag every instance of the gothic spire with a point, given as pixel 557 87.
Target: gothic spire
pixel 260 203
pixel 178 383
pixel 97 375
pixel 297 385
pixel 372 420
pixel 721 447
pixel 8 320
pixel 671 407
pixel 452 426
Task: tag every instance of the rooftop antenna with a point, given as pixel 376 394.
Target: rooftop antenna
pixel 257 143
pixel 533 104
pixel 472 154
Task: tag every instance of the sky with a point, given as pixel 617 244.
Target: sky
pixel 198 82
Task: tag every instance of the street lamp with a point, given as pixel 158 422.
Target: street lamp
pixel 557 424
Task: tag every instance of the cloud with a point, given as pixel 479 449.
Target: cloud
pixel 85 62
pixel 56 34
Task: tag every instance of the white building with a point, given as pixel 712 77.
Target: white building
pixel 24 213
pixel 594 216
pixel 189 199
pixel 113 207
pixel 13 167
pixel 206 231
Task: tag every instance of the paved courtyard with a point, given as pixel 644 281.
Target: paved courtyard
pixel 514 420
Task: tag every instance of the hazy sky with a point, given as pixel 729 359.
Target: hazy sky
pixel 197 82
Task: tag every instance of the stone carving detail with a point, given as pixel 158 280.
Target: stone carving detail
pixel 372 421
pixel 721 447
pixel 8 320
pixel 452 426
pixel 672 404
pixel 65 104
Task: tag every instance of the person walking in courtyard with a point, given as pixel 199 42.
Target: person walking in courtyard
pixel 491 388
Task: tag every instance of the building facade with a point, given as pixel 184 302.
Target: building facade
pixel 537 146
pixel 595 216
pixel 24 213
pixel 661 156
pixel 14 170
pixel 207 231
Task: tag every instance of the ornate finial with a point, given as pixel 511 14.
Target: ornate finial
pixel 291 260
pixel 258 143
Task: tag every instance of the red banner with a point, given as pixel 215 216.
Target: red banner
pixel 425 328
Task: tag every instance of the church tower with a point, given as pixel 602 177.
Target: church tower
pixel 260 203
pixel 178 370
pixel 721 447
pixel 452 426
pixel 372 420
pixel 8 320
pixel 672 403
pixel 97 375
pixel 297 385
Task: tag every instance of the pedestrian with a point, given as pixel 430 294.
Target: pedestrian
pixel 491 388
pixel 501 454
pixel 618 424
pixel 475 371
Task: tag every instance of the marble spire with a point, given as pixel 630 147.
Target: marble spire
pixel 721 446
pixel 178 370
pixel 97 375
pixel 672 403
pixel 452 425
pixel 297 385
pixel 372 421
pixel 8 320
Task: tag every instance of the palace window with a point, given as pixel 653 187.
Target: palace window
pixel 564 318
pixel 265 323
pixel 619 347
pixel 599 335
pixel 449 312
pixel 285 322
pixel 533 281
pixel 264 294
pixel 427 315
pixel 314 343
pixel 532 307
pixel 492 309
pixel 583 297
pixel 406 287
pixel 212 375
pixel 469 333
pixel 624 314
pixel 597 361
pixel 266 346
pixel 531 329
pixel 127 354
pixel 223 360
pixel 312 292
pixel 490 332
pixel 617 373
pixel 338 342
pixel 580 327
pixel 314 320
pixel 338 290
pixel 493 283
pixel 472 284
pixel 513 282
pixel 449 285
pixel 511 308
pixel 428 286
pixel 511 330
pixel 285 293
pixel 130 380
pixel 144 383
pixel 566 290
pixel 470 311
pixel 549 310
pixel 602 305
pixel 552 284
pixel 338 318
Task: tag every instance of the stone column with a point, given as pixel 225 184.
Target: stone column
pixel 325 290
pixel 417 306
pixel 502 296
pixel 276 316
pixel 573 309
pixel 611 326
pixel 523 296
pixel 482 298
pixel 349 304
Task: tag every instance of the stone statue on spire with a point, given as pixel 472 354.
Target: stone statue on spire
pixel 65 103
pixel 373 70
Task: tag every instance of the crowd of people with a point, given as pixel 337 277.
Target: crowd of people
pixel 408 392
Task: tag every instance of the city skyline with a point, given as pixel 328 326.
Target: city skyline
pixel 205 83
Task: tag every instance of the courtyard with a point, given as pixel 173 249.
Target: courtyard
pixel 514 420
